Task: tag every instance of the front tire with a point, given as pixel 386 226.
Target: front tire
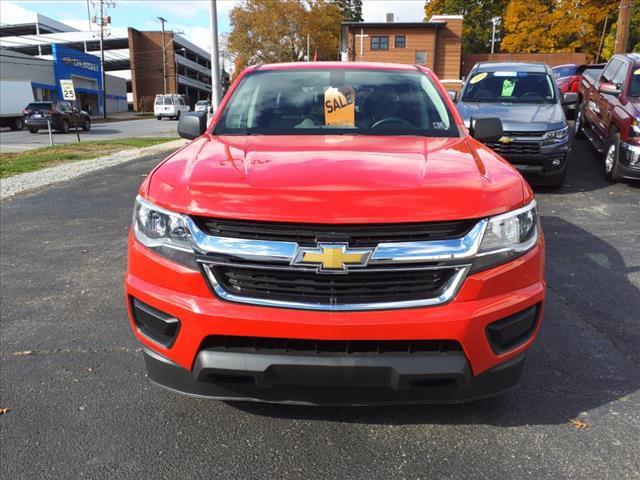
pixel 158 118
pixel 86 125
pixel 611 159
pixel 65 126
pixel 33 130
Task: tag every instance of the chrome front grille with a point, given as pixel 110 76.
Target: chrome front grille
pixel 354 235
pixel 391 274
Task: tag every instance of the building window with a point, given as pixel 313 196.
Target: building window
pixel 380 43
pixel 421 58
pixel 401 41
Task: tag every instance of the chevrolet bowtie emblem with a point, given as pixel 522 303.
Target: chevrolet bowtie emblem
pixel 332 257
pixel 505 140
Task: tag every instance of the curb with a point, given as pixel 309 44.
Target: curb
pixel 24 182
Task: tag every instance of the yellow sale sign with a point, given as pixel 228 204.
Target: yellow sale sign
pixel 339 107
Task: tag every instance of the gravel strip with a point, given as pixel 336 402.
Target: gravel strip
pixel 60 173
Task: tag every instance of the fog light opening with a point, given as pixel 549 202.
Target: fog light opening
pixel 513 331
pixel 160 327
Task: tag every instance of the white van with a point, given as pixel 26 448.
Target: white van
pixel 169 106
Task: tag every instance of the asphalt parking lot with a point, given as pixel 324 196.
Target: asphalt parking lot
pixel 81 407
pixel 148 127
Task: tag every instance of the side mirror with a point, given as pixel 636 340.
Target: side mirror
pixel 609 88
pixel 192 124
pixel 453 95
pixel 486 130
pixel 570 98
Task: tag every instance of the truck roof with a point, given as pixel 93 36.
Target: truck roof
pixel 632 57
pixel 530 67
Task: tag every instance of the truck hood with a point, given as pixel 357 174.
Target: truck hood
pixel 336 179
pixel 516 117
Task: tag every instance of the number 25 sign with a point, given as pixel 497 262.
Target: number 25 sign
pixel 68 92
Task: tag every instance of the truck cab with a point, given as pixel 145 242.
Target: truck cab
pixel 610 114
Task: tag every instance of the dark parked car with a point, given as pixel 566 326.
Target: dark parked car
pixel 62 115
pixel 525 97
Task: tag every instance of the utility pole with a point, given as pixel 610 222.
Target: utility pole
pixel 308 52
pixel 622 30
pixel 104 77
pixel 164 59
pixel 88 17
pixel 215 62
pixel 494 21
pixel 604 30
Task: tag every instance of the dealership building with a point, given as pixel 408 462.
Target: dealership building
pixel 45 51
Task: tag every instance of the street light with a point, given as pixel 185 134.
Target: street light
pixel 164 57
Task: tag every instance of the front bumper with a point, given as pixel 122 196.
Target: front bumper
pixel 629 161
pixel 485 298
pixel 330 380
pixel 544 167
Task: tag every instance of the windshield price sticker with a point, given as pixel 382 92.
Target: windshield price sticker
pixel 507 87
pixel 637 72
pixel 478 77
pixel 68 92
pixel 339 107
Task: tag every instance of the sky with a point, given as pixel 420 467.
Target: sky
pixel 186 16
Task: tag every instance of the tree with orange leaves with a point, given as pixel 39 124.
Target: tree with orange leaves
pixel 533 26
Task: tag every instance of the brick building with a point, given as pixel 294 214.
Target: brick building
pixel 436 43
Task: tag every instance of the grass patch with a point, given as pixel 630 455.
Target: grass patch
pixel 39 158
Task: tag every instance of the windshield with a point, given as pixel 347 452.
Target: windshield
pixel 634 88
pixel 509 87
pixel 202 102
pixel 371 102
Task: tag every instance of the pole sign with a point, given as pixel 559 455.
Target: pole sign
pixel 68 92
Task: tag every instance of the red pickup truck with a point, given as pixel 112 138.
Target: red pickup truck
pixel 336 235
pixel 609 116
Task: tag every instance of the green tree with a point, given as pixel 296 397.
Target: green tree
pixel 351 9
pixel 477 25
pixel 267 31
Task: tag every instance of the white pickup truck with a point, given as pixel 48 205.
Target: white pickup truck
pixel 15 95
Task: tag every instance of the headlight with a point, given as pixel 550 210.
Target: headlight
pixel 163 231
pixel 559 134
pixel 508 236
